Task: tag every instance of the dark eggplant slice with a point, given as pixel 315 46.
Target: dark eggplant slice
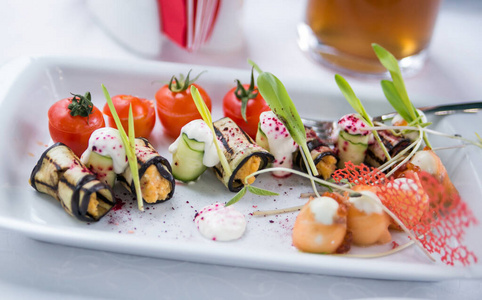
pixel 323 156
pixel 60 174
pixel 155 174
pixel 394 144
pixel 242 153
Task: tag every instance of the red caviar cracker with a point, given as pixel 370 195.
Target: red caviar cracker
pixel 359 175
pixel 407 201
pixel 442 228
pixel 439 226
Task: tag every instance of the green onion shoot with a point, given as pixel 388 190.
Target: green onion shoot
pixel 206 115
pixel 129 145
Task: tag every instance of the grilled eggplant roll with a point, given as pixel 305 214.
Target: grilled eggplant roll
pixel 323 156
pixel 242 153
pixel 155 174
pixel 60 173
pixel 394 144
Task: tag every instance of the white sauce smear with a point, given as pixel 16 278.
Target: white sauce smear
pixel 219 223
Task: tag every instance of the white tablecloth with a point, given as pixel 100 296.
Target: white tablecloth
pixel 31 269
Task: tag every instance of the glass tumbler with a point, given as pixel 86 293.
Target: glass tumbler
pixel 339 33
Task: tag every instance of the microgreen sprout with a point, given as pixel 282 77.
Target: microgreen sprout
pixel 278 99
pixel 356 104
pixel 395 90
pixel 423 130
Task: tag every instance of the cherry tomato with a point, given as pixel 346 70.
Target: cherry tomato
pixel 175 106
pixel 255 105
pixel 74 130
pixel 142 110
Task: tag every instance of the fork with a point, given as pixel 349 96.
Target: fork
pixel 324 129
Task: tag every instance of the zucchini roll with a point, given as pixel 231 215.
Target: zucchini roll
pixel 60 173
pixel 323 156
pixel 352 140
pixel 193 151
pixel 242 153
pixel 155 174
pixel 394 144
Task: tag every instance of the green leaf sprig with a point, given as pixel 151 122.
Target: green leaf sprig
pixel 353 100
pixel 206 115
pixel 251 189
pixel 275 94
pixel 129 146
pixel 395 90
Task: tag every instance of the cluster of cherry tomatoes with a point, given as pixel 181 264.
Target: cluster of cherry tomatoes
pixel 72 120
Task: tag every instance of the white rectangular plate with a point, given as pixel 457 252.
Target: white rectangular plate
pixel 167 230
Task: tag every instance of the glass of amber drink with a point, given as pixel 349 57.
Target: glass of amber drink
pixel 339 33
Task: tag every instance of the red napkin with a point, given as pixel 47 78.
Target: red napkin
pixel 188 23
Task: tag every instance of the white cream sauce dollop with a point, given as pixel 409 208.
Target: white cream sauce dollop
pixel 198 130
pixel 106 141
pixel 219 223
pixel 324 209
pixel 280 142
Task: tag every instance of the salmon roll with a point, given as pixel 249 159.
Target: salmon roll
pixel 428 161
pixel 366 219
pixel 321 226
